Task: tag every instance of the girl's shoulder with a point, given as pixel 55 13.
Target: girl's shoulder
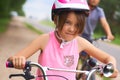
pixel 82 42
pixel 43 37
pixel 42 40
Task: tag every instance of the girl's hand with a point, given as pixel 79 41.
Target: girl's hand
pixel 110 37
pixel 18 61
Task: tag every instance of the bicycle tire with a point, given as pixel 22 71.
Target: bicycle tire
pixel 85 66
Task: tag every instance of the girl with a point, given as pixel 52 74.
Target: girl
pixel 61 48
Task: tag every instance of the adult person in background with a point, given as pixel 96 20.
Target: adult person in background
pixel 95 15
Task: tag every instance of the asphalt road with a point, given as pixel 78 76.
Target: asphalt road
pixel 114 50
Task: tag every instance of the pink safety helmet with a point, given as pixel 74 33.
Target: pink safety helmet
pixel 68 5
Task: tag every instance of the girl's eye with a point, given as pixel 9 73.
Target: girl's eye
pixel 67 22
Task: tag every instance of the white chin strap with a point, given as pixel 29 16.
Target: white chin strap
pixel 60 38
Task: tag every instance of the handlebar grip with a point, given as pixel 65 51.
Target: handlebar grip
pixel 9 64
pixel 103 37
pixel 92 62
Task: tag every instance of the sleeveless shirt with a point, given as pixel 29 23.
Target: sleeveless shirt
pixel 55 57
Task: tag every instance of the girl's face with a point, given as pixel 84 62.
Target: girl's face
pixel 69 30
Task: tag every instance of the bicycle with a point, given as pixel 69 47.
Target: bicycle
pixel 84 57
pixel 96 40
pixel 106 70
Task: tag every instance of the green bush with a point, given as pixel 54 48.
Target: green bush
pixel 3 24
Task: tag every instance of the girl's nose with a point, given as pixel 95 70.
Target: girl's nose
pixel 72 28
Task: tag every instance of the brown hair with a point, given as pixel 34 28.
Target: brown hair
pixel 60 20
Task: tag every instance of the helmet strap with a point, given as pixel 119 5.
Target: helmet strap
pixel 64 42
pixel 57 21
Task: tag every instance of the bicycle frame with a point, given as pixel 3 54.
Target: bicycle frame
pixel 44 69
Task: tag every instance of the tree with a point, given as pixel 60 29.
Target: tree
pixel 17 6
pixel 111 7
pixel 112 12
pixel 6 6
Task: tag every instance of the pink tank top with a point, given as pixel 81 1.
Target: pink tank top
pixel 55 57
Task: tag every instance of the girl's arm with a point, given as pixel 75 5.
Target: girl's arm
pixel 19 58
pixel 98 54
pixel 106 28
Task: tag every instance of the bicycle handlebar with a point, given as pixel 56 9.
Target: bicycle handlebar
pixel 103 38
pixel 27 68
pixel 106 70
pixel 9 64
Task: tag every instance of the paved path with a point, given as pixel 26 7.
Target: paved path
pixel 17 37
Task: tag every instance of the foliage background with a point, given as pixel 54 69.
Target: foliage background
pixel 7 6
pixel 112 12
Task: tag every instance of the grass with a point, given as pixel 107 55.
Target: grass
pixel 115 41
pixel 33 28
pixel 3 24
pixel 105 78
pixel 47 23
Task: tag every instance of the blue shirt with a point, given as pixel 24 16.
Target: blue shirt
pixel 91 22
